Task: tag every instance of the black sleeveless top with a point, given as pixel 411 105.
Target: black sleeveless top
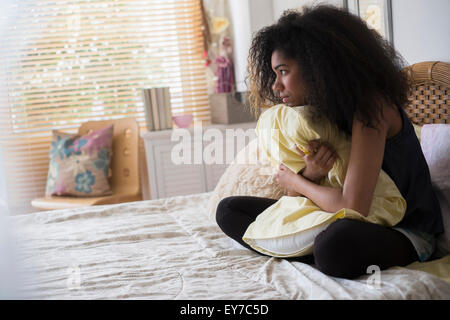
pixel 405 163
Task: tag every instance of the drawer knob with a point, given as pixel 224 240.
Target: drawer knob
pixel 127 133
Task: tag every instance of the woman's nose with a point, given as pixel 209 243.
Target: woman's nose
pixel 276 85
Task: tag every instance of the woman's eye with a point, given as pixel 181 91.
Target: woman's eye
pixel 283 72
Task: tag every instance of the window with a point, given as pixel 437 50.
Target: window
pixel 70 61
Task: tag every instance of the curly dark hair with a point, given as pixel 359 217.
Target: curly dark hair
pixel 347 68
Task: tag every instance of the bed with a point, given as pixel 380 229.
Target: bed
pixel 171 249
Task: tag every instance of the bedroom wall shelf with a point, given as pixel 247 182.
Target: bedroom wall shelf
pixel 172 172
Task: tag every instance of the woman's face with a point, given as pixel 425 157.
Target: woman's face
pixel 288 83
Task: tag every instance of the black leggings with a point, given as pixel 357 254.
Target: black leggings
pixel 345 249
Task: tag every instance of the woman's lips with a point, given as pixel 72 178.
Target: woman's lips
pixel 285 99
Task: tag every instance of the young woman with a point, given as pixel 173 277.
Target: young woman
pixel 328 58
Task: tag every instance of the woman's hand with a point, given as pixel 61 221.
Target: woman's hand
pixel 285 177
pixel 319 161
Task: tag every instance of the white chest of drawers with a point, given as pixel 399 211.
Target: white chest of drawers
pixel 187 161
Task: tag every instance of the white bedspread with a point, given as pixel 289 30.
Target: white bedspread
pixel 169 249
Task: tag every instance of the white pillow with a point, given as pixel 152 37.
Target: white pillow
pixel 292 244
pixel 435 143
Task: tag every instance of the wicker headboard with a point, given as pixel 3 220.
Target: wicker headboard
pixel 429 98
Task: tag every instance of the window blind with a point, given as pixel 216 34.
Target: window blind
pixel 71 61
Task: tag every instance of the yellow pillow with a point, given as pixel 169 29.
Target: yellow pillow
pixel 289 226
pixel 417 130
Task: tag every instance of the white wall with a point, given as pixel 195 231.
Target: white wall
pixel 261 13
pixel 248 16
pixel 421 29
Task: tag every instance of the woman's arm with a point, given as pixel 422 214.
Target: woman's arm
pixel 366 157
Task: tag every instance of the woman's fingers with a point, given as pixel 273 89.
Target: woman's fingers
pixel 314 146
pixel 331 160
pixel 300 151
pixel 321 151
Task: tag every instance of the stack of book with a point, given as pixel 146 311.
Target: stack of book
pixel 158 111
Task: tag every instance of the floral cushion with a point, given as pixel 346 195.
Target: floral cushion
pixel 79 165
